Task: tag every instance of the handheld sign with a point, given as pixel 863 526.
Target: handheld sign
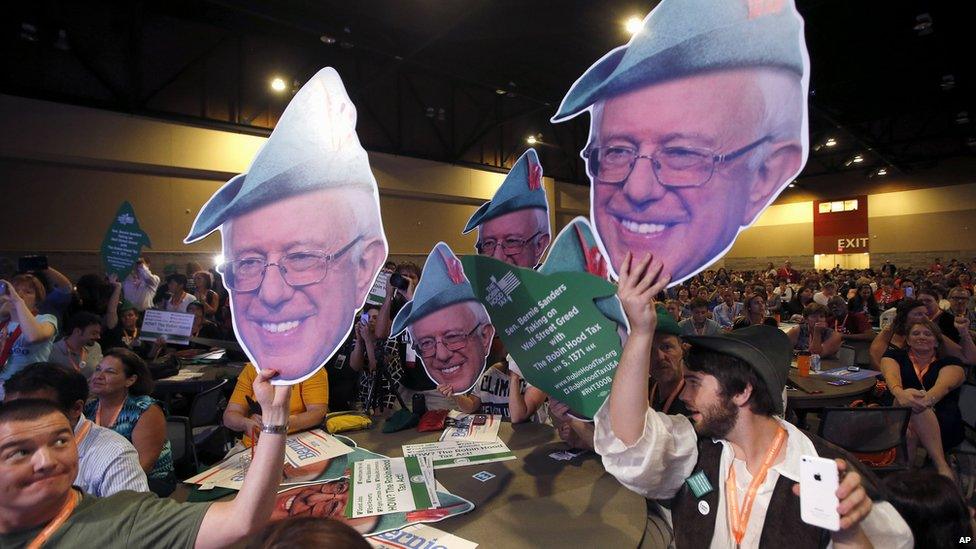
pixel 123 242
pixel 174 327
pixel 377 294
pixel 552 328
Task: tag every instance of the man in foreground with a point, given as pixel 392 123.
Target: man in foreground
pixel 38 505
pixel 732 444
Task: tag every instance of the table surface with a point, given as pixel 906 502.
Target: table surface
pixel 212 373
pixel 829 395
pixel 535 500
pixel 532 501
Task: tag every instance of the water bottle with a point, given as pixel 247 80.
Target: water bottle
pixel 815 363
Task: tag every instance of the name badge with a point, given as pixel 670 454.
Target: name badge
pixel 699 484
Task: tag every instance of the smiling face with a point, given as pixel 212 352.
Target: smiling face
pixel 460 368
pixel 326 500
pixel 921 338
pixel 685 227
pixel 294 330
pixel 518 225
pixel 38 462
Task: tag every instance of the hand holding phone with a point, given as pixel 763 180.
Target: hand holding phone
pixel 819 480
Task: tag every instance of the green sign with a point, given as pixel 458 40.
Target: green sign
pixel 561 342
pixel 123 242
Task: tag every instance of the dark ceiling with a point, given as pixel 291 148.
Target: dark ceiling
pixel 468 81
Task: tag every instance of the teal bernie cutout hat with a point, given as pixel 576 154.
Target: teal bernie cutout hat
pixel 684 37
pixel 314 146
pixel 575 250
pixel 442 283
pixel 521 190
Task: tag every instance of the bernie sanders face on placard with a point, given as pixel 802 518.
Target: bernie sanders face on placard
pixel 449 328
pixel 696 126
pixel 302 236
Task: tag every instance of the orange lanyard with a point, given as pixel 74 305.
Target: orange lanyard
pixel 670 400
pixel 920 372
pixel 62 516
pixel 81 356
pixel 739 521
pixel 98 416
pixel 83 432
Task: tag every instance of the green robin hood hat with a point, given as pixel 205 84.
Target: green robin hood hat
pixel 684 37
pixel 521 190
pixel 314 146
pixel 442 283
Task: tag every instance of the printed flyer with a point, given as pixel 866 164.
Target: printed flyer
pixel 174 327
pixel 123 242
pixel 466 427
pixel 382 486
pixel 419 536
pixel 456 453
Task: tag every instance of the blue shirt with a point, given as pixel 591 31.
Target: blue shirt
pixel 24 352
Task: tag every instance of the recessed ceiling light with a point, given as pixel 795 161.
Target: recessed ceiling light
pixel 531 140
pixel 633 24
pixel 278 84
pixel 830 142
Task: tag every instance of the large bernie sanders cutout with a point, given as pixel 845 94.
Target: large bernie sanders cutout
pixel 302 236
pixel 696 126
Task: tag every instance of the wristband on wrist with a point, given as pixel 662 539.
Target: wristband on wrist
pixel 274 429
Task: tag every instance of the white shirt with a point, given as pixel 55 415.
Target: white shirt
pixel 140 287
pixel 657 465
pixel 107 462
pixel 822 299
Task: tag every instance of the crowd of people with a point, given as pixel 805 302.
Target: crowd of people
pixel 75 369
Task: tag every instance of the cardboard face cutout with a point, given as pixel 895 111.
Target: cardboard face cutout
pixel 696 126
pixel 303 239
pixel 449 327
pixel 514 225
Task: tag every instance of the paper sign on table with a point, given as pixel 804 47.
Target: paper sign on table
pixel 378 292
pixel 383 486
pixel 419 535
pixel 307 455
pixel 453 453
pixel 175 327
pixel 465 429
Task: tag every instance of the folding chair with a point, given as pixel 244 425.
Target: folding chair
pixel 869 430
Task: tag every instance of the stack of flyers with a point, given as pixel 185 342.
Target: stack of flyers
pixel 394 485
pixel 456 453
pixel 471 427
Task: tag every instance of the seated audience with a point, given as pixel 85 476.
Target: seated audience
pixel 107 462
pixel 755 313
pixel 850 326
pixel 927 380
pixel 932 506
pixel 814 334
pixel 865 303
pixel 79 348
pixel 38 432
pixel 126 332
pixel 793 309
pixel 958 307
pixel 26 336
pixel 887 295
pixel 179 298
pixel 726 311
pixel 307 408
pixel 308 531
pixel 909 311
pixel 121 386
pixel 823 296
pixel 201 328
pixel 204 294
pixel 699 323
pixel 140 286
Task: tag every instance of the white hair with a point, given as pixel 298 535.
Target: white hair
pixel 477 310
pixel 540 217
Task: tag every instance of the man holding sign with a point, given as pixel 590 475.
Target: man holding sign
pixel 302 234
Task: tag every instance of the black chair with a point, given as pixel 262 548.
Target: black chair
pixel 181 440
pixel 206 412
pixel 869 430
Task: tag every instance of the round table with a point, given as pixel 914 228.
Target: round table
pixel 535 500
pixel 822 394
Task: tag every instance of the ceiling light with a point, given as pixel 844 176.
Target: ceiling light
pixel 500 91
pixel 218 259
pixel 634 25
pixel 792 185
pixel 327 39
pixel 923 24
pixel 857 159
pixel 531 140
pixel 882 171
pixel 278 84
pixel 830 142
pixel 948 82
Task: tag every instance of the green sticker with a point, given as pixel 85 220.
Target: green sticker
pixel 123 242
pixel 699 484
pixel 550 325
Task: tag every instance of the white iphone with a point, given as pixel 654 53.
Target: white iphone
pixel 818 492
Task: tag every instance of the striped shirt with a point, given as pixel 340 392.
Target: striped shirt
pixel 107 462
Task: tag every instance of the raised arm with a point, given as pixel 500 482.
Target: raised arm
pixel 879 345
pixel 33 330
pixel 228 522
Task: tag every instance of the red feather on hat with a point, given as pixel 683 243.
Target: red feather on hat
pixel 595 263
pixel 535 176
pixel 454 269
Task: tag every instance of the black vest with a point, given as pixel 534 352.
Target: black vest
pixel 694 530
